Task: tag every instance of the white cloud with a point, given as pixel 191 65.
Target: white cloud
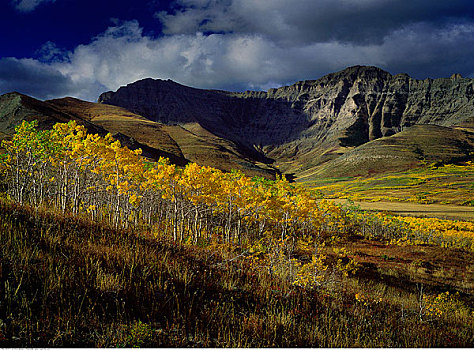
pixel 28 5
pixel 50 52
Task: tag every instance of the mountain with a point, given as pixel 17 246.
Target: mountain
pixel 120 122
pixel 358 121
pixel 16 107
pixel 298 128
pixel 180 144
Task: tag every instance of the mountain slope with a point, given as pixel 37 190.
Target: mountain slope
pixel 308 123
pixel 346 123
pixel 16 107
pixel 179 143
pixel 405 150
pixel 118 120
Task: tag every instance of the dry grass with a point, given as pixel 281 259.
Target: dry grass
pixel 70 282
pixel 435 267
pixel 119 120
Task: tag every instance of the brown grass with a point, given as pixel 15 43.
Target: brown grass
pixel 189 141
pixel 435 267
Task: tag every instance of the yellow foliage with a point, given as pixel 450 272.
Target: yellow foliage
pixel 442 304
pixel 311 274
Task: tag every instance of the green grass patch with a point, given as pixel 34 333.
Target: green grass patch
pixel 449 184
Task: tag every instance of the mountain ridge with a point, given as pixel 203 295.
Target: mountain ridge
pixel 310 122
pixel 16 107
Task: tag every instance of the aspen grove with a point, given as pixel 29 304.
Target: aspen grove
pixel 83 173
pixel 86 174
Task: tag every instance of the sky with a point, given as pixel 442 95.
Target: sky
pixel 81 48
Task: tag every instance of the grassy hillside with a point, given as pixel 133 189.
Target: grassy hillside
pixel 119 120
pixel 412 148
pixel 16 107
pixel 181 142
pixel 70 282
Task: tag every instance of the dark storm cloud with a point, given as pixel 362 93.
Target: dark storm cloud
pixel 427 51
pixel 34 78
pixel 344 21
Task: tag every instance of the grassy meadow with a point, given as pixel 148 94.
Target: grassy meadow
pixel 102 248
pixel 443 184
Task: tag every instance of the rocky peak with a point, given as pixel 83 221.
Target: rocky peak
pixel 355 73
pixel 144 86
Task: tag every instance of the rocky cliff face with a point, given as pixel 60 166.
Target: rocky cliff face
pixel 311 121
pixel 248 119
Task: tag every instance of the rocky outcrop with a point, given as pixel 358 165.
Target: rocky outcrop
pixel 310 121
pixel 249 120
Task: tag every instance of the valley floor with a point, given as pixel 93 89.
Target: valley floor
pixel 442 211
